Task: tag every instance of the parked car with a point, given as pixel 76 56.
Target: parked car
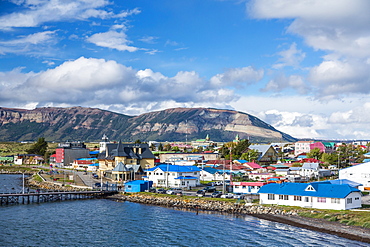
pixel 200 193
pixel 216 194
pixel 210 189
pixel 161 191
pixel 228 195
pixel 151 189
pixel 238 196
pixel 174 191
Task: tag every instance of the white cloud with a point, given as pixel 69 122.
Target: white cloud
pixel 113 40
pixel 290 57
pixel 36 13
pixel 281 82
pixel 337 27
pixel 39 12
pixel 27 43
pixel 337 78
pixel 304 117
pixel 149 39
pixel 98 82
pixel 237 76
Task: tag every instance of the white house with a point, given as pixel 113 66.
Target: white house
pixel 310 170
pixel 302 147
pixel 359 173
pixel 167 175
pixel 322 195
pixel 260 176
pixel 247 187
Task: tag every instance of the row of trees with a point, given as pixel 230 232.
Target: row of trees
pixel 343 156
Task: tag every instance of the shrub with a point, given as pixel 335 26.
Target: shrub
pixel 333 218
pixel 351 223
pixel 367 225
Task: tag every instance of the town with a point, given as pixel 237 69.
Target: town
pixel 311 174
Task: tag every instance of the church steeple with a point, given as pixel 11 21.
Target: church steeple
pixel 207 138
pixel 103 144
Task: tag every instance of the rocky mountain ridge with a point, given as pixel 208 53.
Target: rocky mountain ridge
pixel 176 124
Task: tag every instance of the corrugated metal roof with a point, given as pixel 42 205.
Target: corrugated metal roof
pixel 299 189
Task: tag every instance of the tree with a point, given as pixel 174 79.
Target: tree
pixel 40 147
pixel 315 154
pixel 160 147
pixel 138 141
pixel 236 149
pixel 167 147
pixel 250 155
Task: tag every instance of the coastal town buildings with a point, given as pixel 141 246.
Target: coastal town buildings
pixel 247 187
pixel 267 154
pixel 67 152
pixel 321 195
pixel 125 161
pixel 167 175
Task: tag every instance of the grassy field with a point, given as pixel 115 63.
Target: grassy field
pixel 14 148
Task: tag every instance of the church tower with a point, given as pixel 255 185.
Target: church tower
pixel 103 144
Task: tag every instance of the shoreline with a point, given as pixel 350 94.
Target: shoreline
pixel 273 214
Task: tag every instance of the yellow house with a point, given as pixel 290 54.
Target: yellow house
pixel 121 162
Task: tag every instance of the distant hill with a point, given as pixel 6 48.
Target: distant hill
pixel 177 124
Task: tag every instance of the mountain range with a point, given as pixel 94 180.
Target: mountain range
pixel 176 124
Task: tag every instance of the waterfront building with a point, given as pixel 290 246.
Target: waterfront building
pixel 321 195
pixel 247 187
pixel 137 186
pixel 28 159
pixel 67 152
pixel 122 162
pixel 167 175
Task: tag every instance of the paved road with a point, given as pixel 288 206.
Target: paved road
pixel 88 179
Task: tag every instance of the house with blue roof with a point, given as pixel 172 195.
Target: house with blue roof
pixel 321 195
pixel 137 186
pixel 167 175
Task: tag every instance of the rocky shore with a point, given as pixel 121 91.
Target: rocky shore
pixel 290 217
pixel 51 186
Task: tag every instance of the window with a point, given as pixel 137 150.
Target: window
pixel 271 197
pixel 357 198
pixel 307 199
pixel 349 200
pixel 297 198
pixel 286 197
pixel 335 200
pixel 321 199
pixel 281 197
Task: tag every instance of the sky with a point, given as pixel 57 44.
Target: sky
pixel 302 66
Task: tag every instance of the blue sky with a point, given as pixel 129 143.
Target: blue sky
pixel 301 66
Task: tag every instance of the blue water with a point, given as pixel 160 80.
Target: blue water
pixel 110 223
